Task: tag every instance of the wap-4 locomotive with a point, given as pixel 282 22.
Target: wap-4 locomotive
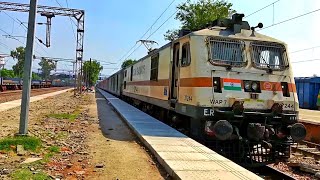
pixel 226 86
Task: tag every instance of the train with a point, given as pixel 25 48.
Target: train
pixel 225 85
pixel 16 84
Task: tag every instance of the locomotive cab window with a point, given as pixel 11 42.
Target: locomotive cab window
pixel 226 52
pixel 154 68
pixel 186 58
pixel 267 55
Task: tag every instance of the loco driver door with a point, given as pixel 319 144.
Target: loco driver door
pixel 174 74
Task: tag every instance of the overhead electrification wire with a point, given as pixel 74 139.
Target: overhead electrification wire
pixel 304 49
pixel 11 35
pixel 290 19
pixel 67 6
pixel 309 60
pixel 158 18
pixel 4 45
pixel 263 8
pixel 26 29
pixel 39 42
pixel 71 21
pixel 120 60
pixel 154 32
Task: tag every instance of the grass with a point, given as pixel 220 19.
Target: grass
pixel 70 116
pixel 25 174
pixel 54 149
pixel 77 110
pixel 47 157
pixel 62 135
pixel 28 143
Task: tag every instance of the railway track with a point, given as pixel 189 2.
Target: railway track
pixel 16 94
pixel 268 172
pixel 296 169
pixel 6 93
pixel 12 92
pixel 308 149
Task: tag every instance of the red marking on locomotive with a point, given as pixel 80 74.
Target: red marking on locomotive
pixel 267 86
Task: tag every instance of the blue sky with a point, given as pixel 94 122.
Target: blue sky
pixel 113 27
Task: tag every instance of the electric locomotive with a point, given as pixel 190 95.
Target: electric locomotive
pixel 226 85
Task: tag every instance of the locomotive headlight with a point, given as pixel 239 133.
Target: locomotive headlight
pixel 254 86
pixel 247 85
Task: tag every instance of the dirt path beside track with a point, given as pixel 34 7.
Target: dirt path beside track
pixel 118 149
pixel 81 138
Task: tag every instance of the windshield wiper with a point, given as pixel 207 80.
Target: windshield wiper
pixel 268 65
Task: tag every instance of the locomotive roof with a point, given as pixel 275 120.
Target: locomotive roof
pixel 218 32
pixel 225 32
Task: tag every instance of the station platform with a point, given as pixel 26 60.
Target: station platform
pixel 311 120
pixel 16 103
pixel 309 115
pixel 181 156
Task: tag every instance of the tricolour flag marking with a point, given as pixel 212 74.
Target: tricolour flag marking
pixel 232 84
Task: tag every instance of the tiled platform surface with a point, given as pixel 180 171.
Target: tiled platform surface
pixel 182 157
pixel 16 103
pixel 309 115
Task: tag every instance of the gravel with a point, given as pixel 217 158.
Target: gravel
pixel 67 135
pixel 296 172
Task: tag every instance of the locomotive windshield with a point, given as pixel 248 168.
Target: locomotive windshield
pixel 268 55
pixel 226 52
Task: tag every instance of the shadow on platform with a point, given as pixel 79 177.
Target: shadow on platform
pixel 110 122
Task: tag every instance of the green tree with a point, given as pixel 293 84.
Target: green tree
pixel 47 65
pixel 171 35
pixel 19 55
pixel 195 16
pixel 35 76
pixel 7 73
pixel 91 71
pixel 127 63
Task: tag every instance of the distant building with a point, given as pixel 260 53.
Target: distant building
pixel 102 77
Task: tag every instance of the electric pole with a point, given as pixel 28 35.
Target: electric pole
pixel 2 63
pixel 24 115
pixel 89 73
pixel 80 77
pixel 74 79
pixel 57 11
